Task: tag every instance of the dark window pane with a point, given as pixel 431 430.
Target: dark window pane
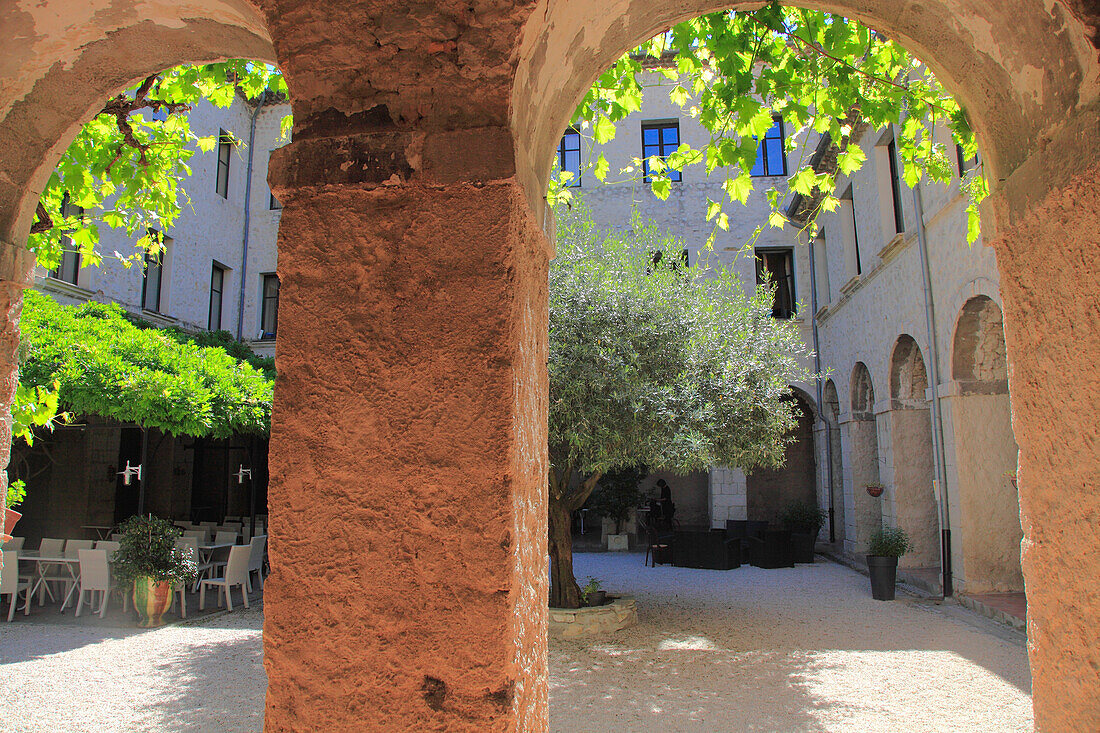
pixel 269 313
pixel 670 136
pixel 776 163
pixel 777 267
pixel 651 135
pixel 225 147
pixel 758 166
pixel 217 283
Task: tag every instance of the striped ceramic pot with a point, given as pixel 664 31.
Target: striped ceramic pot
pixel 152 599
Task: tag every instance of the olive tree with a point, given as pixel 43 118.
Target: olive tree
pixel 655 362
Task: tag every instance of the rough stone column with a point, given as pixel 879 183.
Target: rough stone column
pixel 408 449
pixel 1050 281
pixel 16 274
pixel 861 468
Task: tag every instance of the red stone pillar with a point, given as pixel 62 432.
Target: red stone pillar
pixel 1050 265
pixel 408 448
pixel 16 274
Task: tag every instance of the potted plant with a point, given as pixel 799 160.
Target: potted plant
pixel 593 593
pixel 875 489
pixel 615 496
pixel 148 565
pixel 805 522
pixel 17 491
pixel 887 545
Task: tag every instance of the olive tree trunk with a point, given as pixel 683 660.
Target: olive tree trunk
pixel 564 591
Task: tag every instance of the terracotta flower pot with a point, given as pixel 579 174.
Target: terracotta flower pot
pixel 10 518
pixel 151 599
pixel 875 491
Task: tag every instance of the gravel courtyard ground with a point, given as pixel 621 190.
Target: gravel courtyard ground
pixel 802 649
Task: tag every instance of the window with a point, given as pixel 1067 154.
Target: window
pixel 771 159
pixel 273 203
pixel 965 164
pixel 848 211
pixel 777 266
pixel 269 309
pixel 660 139
pixel 225 150
pixel 153 281
pixel 217 288
pixel 895 186
pixel 569 156
pixel 68 270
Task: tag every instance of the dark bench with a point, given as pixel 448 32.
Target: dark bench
pixel 703 548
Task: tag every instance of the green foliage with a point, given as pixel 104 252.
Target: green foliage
pixel 125 167
pixel 802 517
pixel 17 492
pixel 617 493
pixel 148 549
pixel 35 406
pixel 592 585
pixel 105 365
pixel 734 70
pixel 668 366
pixel 889 542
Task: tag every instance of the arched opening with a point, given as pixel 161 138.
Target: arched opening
pixel 1038 129
pixel 985 452
pixel 769 491
pixel 833 458
pixel 910 501
pixel 861 435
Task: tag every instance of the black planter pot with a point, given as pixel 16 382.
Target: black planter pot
pixel 596 598
pixel 884 575
pixel 802 546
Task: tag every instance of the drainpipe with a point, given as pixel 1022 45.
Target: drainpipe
pixel 937 415
pixel 247 213
pixel 821 397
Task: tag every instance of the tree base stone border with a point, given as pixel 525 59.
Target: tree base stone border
pixel 575 623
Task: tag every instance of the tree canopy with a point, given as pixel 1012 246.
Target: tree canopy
pixel 734 71
pixel 102 363
pixel 663 364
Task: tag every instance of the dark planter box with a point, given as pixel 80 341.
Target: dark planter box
pixel 707 549
pixel 802 546
pixel 884 575
pixel 744 530
pixel 772 549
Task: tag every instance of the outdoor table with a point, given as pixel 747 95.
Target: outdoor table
pixel 215 554
pixel 39 579
pixel 102 533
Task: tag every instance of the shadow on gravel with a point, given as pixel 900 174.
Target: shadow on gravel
pixel 213 686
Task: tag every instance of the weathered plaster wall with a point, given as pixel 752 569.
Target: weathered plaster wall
pixel 910 491
pixel 1051 287
pixel 860 467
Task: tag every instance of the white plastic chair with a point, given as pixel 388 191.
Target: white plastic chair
pixel 51 572
pixel 109 545
pixel 191 546
pixel 199 535
pixel 11 585
pixel 236 573
pixel 15 543
pixel 256 561
pixel 95 577
pixel 225 537
pixel 73 547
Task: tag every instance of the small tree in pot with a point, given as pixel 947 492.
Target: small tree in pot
pixel 805 522
pixel 887 545
pixel 148 564
pixel 616 494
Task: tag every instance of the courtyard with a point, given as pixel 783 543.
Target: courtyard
pixel 797 649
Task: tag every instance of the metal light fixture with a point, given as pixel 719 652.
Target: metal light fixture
pixel 243 473
pixel 130 472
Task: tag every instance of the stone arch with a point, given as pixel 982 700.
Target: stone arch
pixel 910 499
pixel 908 375
pixel 863 392
pixel 769 490
pixel 864 462
pixel 567 43
pixel 978 358
pixel 72 57
pixel 833 458
pixel 985 451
